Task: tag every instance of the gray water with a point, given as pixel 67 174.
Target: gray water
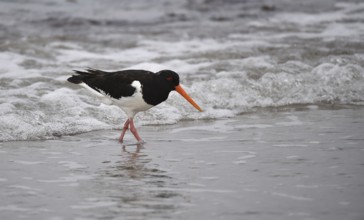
pixel 294 164
pixel 281 84
pixel 232 56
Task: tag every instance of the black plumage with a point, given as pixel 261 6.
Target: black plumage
pixel 132 90
pixel 155 86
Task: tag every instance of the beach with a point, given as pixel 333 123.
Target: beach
pixel 296 162
pixel 280 83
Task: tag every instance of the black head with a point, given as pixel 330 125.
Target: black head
pixel 169 76
pixel 168 81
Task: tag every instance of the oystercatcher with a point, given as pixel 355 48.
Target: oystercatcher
pixel 132 90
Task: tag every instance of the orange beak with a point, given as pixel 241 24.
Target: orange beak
pixel 187 97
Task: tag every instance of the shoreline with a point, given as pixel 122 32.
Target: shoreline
pixel 279 164
pixel 256 110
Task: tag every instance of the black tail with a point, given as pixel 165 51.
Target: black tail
pixel 81 75
pixel 76 79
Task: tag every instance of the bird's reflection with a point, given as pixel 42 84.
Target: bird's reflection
pixel 133 162
pixel 135 180
pixel 136 164
pixel 133 153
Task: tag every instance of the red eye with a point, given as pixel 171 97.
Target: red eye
pixel 169 78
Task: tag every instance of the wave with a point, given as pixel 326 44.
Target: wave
pixel 43 109
pixel 265 61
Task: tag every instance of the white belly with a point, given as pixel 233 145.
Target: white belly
pixel 130 105
pixel 133 104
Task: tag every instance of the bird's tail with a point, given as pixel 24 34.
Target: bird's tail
pixel 76 79
pixel 81 75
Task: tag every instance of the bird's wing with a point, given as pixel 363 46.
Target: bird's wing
pixel 115 84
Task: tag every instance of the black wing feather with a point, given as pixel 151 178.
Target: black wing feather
pixel 116 84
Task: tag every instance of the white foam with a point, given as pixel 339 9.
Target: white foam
pixel 23 162
pixel 94 204
pixel 226 75
pixel 293 197
pixel 190 190
pixel 136 54
pixel 66 111
pixel 73 178
pixel 24 188
pixel 72 165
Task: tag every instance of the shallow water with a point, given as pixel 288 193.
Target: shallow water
pixel 294 163
pixel 233 57
pixel 281 84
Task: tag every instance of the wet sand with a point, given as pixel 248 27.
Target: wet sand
pixel 295 163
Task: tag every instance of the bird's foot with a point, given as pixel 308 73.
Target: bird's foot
pixel 139 142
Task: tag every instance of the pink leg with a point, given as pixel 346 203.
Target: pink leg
pixel 134 131
pixel 126 126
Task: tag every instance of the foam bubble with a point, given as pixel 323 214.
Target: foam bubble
pixel 229 72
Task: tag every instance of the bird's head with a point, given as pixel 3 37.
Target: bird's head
pixel 173 79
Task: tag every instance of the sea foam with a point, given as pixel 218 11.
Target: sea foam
pixel 284 59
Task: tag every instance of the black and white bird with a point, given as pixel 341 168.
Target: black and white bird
pixel 132 90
